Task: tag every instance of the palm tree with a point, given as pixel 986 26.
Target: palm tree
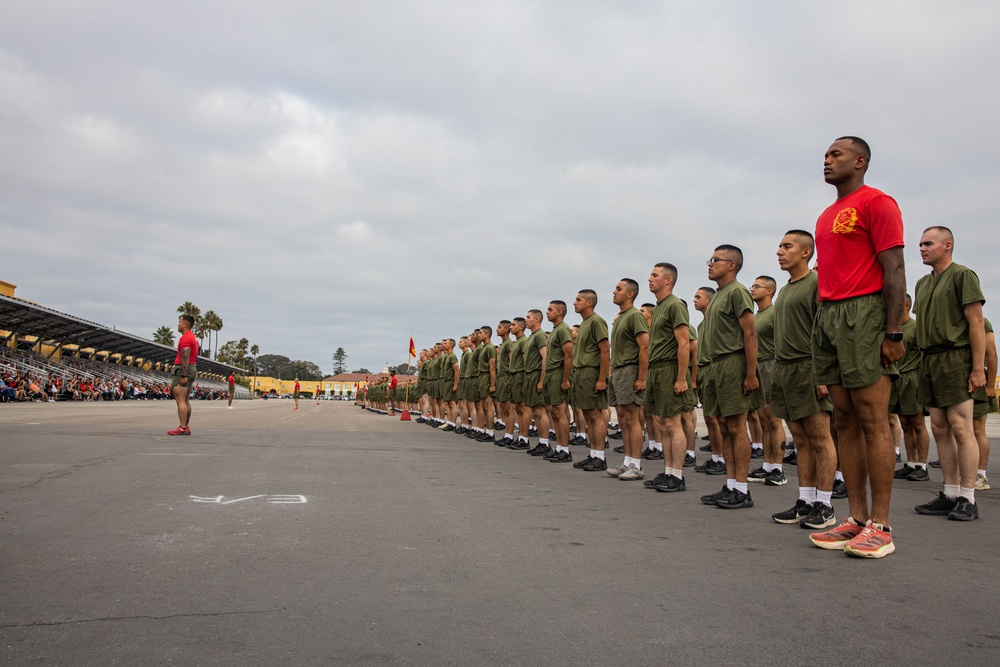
pixel 188 308
pixel 212 322
pixel 164 336
pixel 200 330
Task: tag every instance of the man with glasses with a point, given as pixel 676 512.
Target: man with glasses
pixel 730 383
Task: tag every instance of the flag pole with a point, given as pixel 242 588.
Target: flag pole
pixel 404 416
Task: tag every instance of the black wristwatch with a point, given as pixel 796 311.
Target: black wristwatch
pixel 895 336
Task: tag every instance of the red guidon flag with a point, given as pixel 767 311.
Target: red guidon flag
pixel 413 350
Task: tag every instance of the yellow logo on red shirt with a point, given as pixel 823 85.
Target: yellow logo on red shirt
pixel 845 221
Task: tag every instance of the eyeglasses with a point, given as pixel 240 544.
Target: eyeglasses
pixel 713 261
pixel 757 287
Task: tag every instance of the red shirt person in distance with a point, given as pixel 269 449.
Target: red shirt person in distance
pixel 184 372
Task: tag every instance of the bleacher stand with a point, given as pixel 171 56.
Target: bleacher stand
pixel 27 376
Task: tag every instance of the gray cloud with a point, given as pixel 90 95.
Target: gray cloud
pixel 337 174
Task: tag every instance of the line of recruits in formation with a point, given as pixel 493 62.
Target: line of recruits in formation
pixel 834 356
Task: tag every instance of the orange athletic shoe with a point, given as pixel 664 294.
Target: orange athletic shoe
pixel 838 536
pixel 180 430
pixel 873 542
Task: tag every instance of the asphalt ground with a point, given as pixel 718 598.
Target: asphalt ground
pixel 333 535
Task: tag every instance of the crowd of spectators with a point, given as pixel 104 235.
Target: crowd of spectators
pixel 26 377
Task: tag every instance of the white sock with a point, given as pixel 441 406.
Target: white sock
pixel 920 466
pixel 768 467
pixel 655 446
pixel 757 445
pixel 560 448
pixel 717 459
pixel 451 423
pixel 583 435
pixel 522 438
pixel 637 463
pixel 979 472
pixel 952 491
pixel 627 461
pixel 897 451
pixel 839 476
pixel 543 441
pixel 730 484
pixel 690 453
pixel 808 494
pixel 489 432
pixel 740 486
pixel 824 497
pixel 968 494
pixel 597 454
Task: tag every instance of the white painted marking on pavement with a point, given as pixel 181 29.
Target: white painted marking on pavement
pixel 274 499
pixel 286 500
pixel 238 500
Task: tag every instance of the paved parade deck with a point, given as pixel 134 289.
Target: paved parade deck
pixel 332 535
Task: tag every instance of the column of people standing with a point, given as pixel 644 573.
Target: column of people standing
pixel 833 353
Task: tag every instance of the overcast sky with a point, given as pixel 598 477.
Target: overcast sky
pixel 347 174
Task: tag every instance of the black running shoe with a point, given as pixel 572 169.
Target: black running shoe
pixel 561 457
pixel 689 461
pixel 757 475
pixel 898 458
pixel 503 442
pixel 918 475
pixel 448 429
pixel 672 484
pixel 775 478
pixel 791 459
pixel 532 432
pixel 620 449
pixel 757 453
pixel 659 479
pixel 703 466
pixel 820 516
pixel 596 464
pixel 935 464
pixel 617 435
pixel 519 445
pixel 902 473
pixel 839 489
pixel 736 500
pixel 712 497
pixel 543 450
pixel 715 467
pixel 793 515
pixel 965 510
pixel 705 448
pixel 940 506
pixel 655 455
pixel 551 455
pixel 583 462
pixel 484 437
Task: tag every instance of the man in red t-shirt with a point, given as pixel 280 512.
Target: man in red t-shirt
pixel 391 394
pixel 184 372
pixel 857 339
pixel 295 393
pixel 232 390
